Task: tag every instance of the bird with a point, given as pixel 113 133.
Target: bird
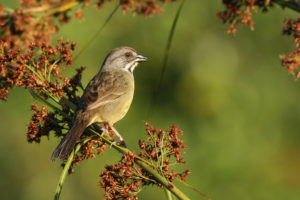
pixel 106 99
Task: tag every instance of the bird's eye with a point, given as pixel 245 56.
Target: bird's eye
pixel 128 54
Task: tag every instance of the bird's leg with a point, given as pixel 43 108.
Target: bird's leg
pixel 122 141
pixel 101 128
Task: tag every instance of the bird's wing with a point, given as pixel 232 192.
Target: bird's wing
pixel 104 88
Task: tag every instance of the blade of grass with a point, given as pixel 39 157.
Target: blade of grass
pixel 98 32
pixel 66 169
pixel 37 97
pixel 193 188
pixel 293 5
pixel 165 60
pixel 168 194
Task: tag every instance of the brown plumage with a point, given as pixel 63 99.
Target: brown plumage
pixel 106 99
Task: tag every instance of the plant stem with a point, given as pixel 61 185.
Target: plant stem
pixel 168 194
pixel 38 97
pixel 148 167
pixel 192 188
pixel 55 7
pixel 97 33
pixel 64 173
pixel 66 169
pixel 293 5
pixel 169 186
pixel 165 61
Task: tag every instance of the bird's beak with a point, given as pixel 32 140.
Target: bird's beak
pixel 140 58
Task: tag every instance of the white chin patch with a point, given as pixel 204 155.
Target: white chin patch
pixel 131 66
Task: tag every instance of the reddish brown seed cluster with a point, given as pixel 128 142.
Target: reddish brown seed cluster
pixel 165 148
pixel 89 150
pixel 292 61
pixel 20 28
pixel 37 20
pixel 39 68
pixel 36 126
pixel 162 148
pixel 240 11
pixel 44 122
pixel 58 121
pixel 148 7
pixel 123 180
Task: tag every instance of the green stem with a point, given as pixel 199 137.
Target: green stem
pixel 165 60
pixel 98 32
pixel 64 173
pixel 293 5
pixel 66 169
pixel 148 167
pixel 168 194
pixel 37 97
pixel 52 8
pixel 169 186
pixel 51 68
pixel 192 188
pixel 67 5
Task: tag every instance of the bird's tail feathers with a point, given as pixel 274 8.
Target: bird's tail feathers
pixel 67 144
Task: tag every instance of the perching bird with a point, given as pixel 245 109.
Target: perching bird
pixel 106 99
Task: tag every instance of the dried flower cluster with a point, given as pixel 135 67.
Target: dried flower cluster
pixel 37 20
pixel 42 123
pixel 292 61
pixel 89 150
pixel 37 69
pixel 148 7
pixel 21 27
pixel 240 11
pixel 59 120
pixel 163 149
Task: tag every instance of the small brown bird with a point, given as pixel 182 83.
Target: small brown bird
pixel 106 99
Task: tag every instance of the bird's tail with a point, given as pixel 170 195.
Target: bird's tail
pixel 67 144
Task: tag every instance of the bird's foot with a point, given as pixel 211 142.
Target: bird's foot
pixel 101 129
pixel 119 143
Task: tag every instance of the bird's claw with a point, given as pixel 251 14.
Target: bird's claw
pixel 119 143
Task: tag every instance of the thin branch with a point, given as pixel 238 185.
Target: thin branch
pixel 98 32
pixel 172 188
pixel 39 98
pixel 53 8
pixel 168 194
pixel 65 172
pixel 193 188
pixel 148 167
pixel 66 169
pixel 291 4
pixel 165 60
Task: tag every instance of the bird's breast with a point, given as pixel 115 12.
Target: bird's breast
pixel 117 109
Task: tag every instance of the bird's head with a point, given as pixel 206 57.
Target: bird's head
pixel 124 58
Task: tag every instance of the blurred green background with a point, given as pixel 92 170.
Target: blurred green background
pixel 238 107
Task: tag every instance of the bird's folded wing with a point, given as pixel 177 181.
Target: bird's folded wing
pixel 102 90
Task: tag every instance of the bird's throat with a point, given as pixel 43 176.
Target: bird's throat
pixel 131 66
